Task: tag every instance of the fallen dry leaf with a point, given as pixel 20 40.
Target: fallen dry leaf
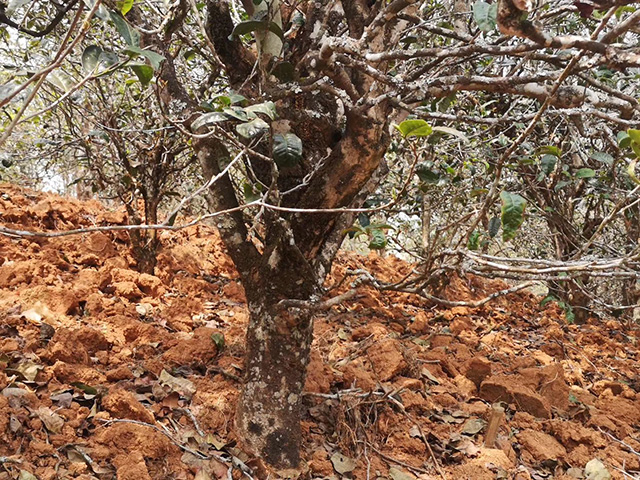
pixel 343 464
pixel 595 470
pixel 52 421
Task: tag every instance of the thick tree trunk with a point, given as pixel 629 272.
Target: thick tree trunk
pixel 269 411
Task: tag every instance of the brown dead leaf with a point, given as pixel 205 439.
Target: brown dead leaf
pixel 473 426
pixel 29 370
pixel 52 421
pixel 343 464
pixel 595 470
pixel 397 474
pixel 24 475
pixel 180 385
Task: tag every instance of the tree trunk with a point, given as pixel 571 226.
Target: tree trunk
pixel 268 414
pixel 145 252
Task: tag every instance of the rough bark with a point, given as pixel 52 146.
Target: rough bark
pixel 269 411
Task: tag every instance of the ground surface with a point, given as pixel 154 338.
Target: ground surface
pixel 106 373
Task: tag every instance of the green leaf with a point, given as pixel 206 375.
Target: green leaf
pixel 91 58
pixel 546 300
pixel 474 240
pixel 634 135
pixel 513 207
pixel 635 146
pixel 85 388
pixel 426 174
pixel 624 140
pixel 125 6
pixel 237 113
pixel 585 173
pixel 414 128
pixel 603 157
pixel 354 231
pixel 287 150
pixel 172 219
pixel 551 150
pixel 494 226
pixel 377 239
pixel 568 312
pixel 154 58
pixel 381 226
pixel 548 164
pixel 218 339
pixel 631 170
pixel 275 28
pixel 108 59
pixel 485 15
pixel 452 131
pixel 235 98
pixel 143 71
pixel 249 194
pixel 209 119
pixel 129 34
pixel 477 192
pixel 253 128
pixel 248 26
pixel 60 80
pixel 267 108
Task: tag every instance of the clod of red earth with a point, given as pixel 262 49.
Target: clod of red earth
pixel 477 369
pixel 123 404
pixel 75 317
pixel 541 446
pixel 387 359
pixel 509 389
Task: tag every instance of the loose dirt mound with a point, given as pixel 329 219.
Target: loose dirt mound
pixel 106 373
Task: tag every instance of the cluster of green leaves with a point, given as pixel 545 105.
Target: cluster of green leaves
pixel 99 62
pixel 566 307
pixel 375 232
pixel 286 147
pixel 260 23
pixel 631 139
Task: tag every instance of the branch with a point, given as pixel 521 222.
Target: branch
pixel 36 33
pixel 318 306
pixel 479 303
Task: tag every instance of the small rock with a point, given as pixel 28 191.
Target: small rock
pixel 131 467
